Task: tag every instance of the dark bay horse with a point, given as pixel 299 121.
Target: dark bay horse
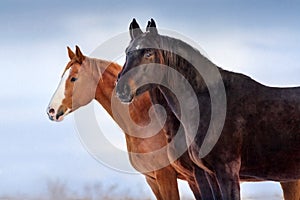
pixel 260 137
pixel 85 79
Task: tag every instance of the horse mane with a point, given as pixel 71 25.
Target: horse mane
pixel 98 64
pixel 168 55
pixel 171 47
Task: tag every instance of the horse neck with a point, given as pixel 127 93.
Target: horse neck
pixel 138 109
pixel 105 75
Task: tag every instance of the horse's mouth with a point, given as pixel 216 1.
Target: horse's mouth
pixel 125 93
pixel 59 116
pixel 129 96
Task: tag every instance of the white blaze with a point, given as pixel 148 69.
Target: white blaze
pixel 59 95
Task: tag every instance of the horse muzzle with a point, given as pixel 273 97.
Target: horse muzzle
pixel 123 92
pixel 57 115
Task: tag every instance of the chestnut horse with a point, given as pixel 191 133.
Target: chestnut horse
pixel 86 79
pixel 260 138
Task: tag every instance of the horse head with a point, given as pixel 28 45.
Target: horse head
pixel 75 88
pixel 143 56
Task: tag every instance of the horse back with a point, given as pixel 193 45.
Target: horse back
pixel 268 122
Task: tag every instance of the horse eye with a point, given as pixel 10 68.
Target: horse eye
pixel 73 79
pixel 148 54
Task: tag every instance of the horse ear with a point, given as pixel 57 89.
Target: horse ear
pixel 134 29
pixel 70 53
pixel 148 25
pixel 152 27
pixel 79 54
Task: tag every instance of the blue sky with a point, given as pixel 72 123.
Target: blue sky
pixel 258 38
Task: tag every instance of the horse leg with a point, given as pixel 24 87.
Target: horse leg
pixel 291 190
pixel 154 187
pixel 228 179
pixel 207 192
pixel 214 185
pixel 166 180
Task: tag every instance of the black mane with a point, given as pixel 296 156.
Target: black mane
pixel 188 60
pixel 185 59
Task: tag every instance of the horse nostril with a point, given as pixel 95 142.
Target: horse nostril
pixel 51 111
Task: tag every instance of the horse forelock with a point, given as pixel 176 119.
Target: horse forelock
pixel 72 62
pixel 69 65
pixel 144 41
